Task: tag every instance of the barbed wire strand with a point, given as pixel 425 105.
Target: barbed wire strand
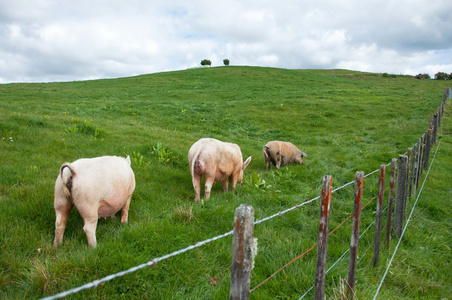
pixel 342 256
pixel 309 250
pixel 373 242
pixel 406 224
pixel 307 292
pixel 309 201
pixel 153 262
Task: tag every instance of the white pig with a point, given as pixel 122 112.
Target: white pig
pixel 98 187
pixel 282 153
pixel 217 161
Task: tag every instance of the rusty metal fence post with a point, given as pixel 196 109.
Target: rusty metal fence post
pixel 390 200
pixel 359 180
pixel 322 243
pixel 242 242
pixel 381 192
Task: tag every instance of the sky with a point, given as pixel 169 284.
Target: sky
pixel 68 40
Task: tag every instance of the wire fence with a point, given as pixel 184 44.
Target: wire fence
pixel 406 224
pixel 154 261
pixel 420 154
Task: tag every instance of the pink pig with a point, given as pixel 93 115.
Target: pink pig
pixel 98 187
pixel 217 161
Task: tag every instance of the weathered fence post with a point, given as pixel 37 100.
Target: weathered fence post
pixel 381 192
pixel 408 168
pixel 418 164
pixel 438 123
pixel 427 148
pixel 242 242
pixel 421 162
pixel 440 117
pixel 390 199
pixel 399 214
pixel 412 172
pixel 435 127
pixel 322 243
pixel 359 180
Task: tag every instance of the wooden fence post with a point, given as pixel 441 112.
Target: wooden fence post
pixel 440 117
pixel 421 161
pixel 435 127
pixel 399 214
pixel 359 180
pixel 390 199
pixel 427 147
pixel 418 164
pixel 412 171
pixel 381 192
pixel 408 167
pixel 322 243
pixel 242 243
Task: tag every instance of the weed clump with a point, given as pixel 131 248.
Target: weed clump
pixel 88 129
pixel 158 152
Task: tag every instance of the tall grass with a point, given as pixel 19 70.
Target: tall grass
pixel 346 121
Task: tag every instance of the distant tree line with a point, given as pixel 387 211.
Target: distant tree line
pixel 438 76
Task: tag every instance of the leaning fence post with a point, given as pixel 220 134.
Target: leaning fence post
pixel 390 199
pixel 381 192
pixel 322 243
pixel 399 213
pixel 242 243
pixel 359 180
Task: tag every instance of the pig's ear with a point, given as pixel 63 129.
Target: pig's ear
pixel 128 159
pixel 246 163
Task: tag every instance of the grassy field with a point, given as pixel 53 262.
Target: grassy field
pixel 346 121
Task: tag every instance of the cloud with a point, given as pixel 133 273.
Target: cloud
pixel 51 40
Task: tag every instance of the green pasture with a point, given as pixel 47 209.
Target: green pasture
pixel 345 121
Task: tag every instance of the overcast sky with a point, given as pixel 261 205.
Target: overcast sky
pixel 65 40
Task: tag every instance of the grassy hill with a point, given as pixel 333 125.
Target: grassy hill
pixel 346 121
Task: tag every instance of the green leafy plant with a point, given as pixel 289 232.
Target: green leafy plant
pixel 138 159
pixel 256 180
pixel 163 154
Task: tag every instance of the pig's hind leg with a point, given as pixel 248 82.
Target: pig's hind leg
pixel 196 178
pixel 225 185
pixel 208 186
pixel 125 210
pixel 90 216
pixel 62 209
